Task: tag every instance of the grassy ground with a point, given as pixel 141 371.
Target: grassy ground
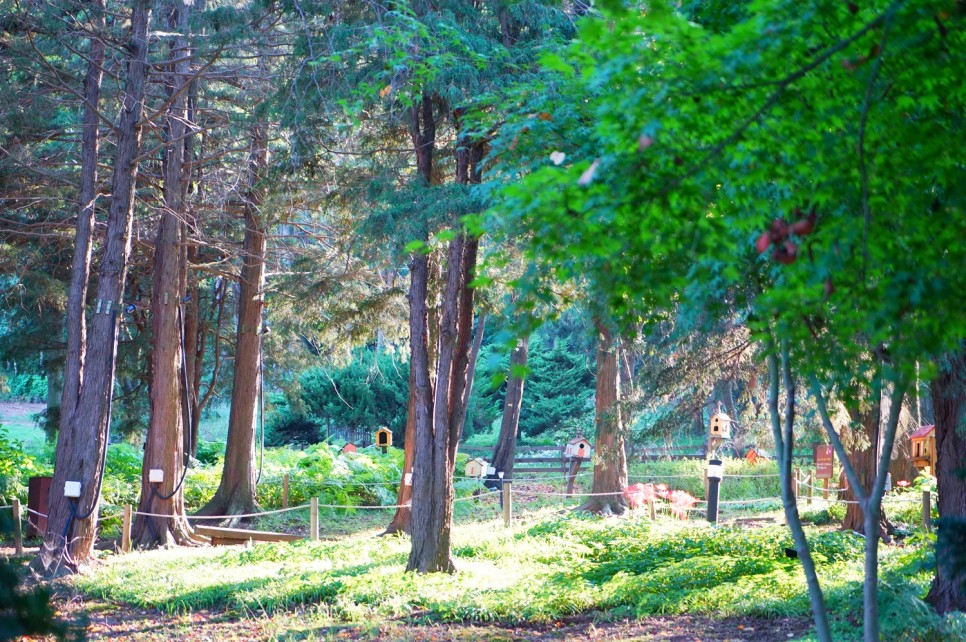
pixel 17 419
pixel 553 575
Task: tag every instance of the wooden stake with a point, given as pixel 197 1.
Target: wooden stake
pixel 507 503
pixel 825 492
pixel 126 530
pixel 796 480
pixel 808 488
pixel 17 530
pixel 651 510
pixel 927 510
pixel 314 520
pixel 285 491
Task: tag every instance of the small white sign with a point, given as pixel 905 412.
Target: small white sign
pixel 72 489
pixel 716 471
pixel 491 470
pixel 155 475
pixel 408 479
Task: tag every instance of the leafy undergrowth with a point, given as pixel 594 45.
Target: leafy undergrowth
pixel 539 573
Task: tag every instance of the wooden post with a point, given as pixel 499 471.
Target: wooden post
pixel 705 483
pixel 808 488
pixel 825 492
pixel 796 478
pixel 650 509
pixel 17 530
pixel 926 510
pixel 285 491
pixel 126 530
pixel 574 468
pixel 314 520
pixel 507 503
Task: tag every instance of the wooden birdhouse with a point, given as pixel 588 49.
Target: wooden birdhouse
pixel 720 426
pixel 476 468
pixel 924 448
pixel 384 438
pixel 349 448
pixel 577 448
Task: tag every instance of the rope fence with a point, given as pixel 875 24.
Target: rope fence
pixel 507 491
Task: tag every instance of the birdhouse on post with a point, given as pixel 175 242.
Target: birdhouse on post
pixel 720 426
pixel 476 468
pixel 384 438
pixel 577 448
pixel 924 448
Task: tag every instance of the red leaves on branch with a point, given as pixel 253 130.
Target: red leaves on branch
pixel 779 234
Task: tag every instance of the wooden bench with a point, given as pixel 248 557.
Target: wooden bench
pixel 537 460
pixel 220 536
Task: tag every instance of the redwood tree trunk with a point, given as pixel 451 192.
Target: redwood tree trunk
pixel 402 520
pixel 440 418
pixel 948 394
pixel 610 467
pixel 506 443
pixel 236 492
pixel 164 445
pixel 865 463
pixel 82 444
pixel 81 267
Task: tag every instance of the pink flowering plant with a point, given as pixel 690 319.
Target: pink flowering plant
pixel 678 502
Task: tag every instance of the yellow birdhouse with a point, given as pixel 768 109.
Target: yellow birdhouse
pixel 577 448
pixel 720 426
pixel 384 438
pixel 924 448
pixel 476 468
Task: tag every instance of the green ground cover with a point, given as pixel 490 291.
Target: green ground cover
pixel 545 568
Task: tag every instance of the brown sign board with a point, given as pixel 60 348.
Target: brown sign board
pixel 824 458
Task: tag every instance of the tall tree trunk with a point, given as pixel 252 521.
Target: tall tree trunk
pixel 439 423
pixel 948 395
pixel 194 356
pixel 610 468
pixel 506 443
pixel 236 492
pixel 81 267
pixel 864 460
pixel 784 435
pixel 402 519
pixel 164 444
pixel 81 446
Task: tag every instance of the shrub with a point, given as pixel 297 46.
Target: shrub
pixel 16 467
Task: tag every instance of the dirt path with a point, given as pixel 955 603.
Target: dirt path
pixel 107 621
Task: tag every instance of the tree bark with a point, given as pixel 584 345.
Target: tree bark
pixel 402 519
pixel 865 461
pixel 164 442
pixel 422 130
pixel 81 446
pixel 236 492
pixel 440 418
pixel 784 435
pixel 948 393
pixel 505 449
pixel 610 460
pixel 87 195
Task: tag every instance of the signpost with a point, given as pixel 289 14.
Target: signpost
pixel 824 457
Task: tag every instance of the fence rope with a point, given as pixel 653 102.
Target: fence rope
pixel 546 494
pixel 38 514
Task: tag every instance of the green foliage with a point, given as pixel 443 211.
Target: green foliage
pixel 27 612
pixel 29 388
pixel 559 389
pixel 16 467
pixel 371 391
pixel 556 567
